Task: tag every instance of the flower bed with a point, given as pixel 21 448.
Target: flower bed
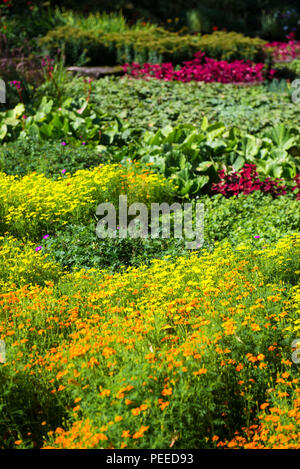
pixel 201 68
pixel 284 51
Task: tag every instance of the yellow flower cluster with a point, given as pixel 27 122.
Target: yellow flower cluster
pixel 20 264
pixel 35 204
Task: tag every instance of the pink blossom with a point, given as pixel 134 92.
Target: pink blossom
pixel 201 68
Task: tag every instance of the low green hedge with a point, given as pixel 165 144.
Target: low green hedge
pixel 157 46
pixel 288 70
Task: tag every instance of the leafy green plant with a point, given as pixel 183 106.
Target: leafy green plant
pixel 67 123
pixel 11 122
pixel 150 105
pixel 192 156
pixel 256 219
pixel 78 246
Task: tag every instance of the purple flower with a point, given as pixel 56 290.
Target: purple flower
pixel 83 143
pixel 38 248
pixel 63 171
pixel 63 144
pixel 46 236
pixel 257 236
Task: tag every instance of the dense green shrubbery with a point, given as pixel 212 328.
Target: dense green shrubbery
pixel 240 218
pixel 149 45
pixel 50 158
pixel 288 70
pixel 232 46
pixel 237 220
pixel 78 246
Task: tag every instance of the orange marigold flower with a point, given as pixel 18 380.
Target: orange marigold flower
pixel 144 429
pixel 163 405
pixel 264 405
pixel 101 437
pixel 202 371
pixel 260 357
pixel 263 365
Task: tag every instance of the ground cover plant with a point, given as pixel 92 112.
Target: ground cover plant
pixel 140 342
pixel 154 104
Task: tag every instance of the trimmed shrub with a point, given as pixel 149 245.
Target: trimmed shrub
pixel 149 46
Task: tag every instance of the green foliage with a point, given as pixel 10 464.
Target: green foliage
pixel 288 70
pixel 153 104
pixel 24 406
pixel 50 158
pixel 112 22
pixel 238 219
pixel 232 46
pixel 74 122
pixel 78 246
pixel 149 45
pixel 192 156
pixel 148 339
pixel 27 24
pixel 115 127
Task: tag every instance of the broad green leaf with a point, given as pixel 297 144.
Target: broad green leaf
pixel 3 131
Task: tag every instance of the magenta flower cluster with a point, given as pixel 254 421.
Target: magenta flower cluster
pixel 245 182
pixel 16 83
pixel 47 62
pixel 201 68
pixel 296 188
pixel 285 51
